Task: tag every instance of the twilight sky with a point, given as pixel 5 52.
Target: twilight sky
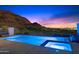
pixel 53 16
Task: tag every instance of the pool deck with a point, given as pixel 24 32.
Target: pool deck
pixel 9 47
pixel 75 47
pixel 20 48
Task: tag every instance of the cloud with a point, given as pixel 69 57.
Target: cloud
pixel 67 22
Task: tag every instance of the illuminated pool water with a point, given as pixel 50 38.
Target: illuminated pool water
pixel 35 40
pixel 38 40
pixel 60 46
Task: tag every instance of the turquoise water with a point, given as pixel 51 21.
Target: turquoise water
pixel 38 40
pixel 60 46
pixel 35 40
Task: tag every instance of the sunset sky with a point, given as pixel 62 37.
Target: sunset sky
pixel 52 16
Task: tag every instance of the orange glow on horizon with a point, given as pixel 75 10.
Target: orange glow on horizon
pixel 67 25
pixel 60 23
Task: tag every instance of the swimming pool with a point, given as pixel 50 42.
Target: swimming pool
pixel 35 40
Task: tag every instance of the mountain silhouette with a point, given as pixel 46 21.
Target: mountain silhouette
pixel 8 18
pixel 23 26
